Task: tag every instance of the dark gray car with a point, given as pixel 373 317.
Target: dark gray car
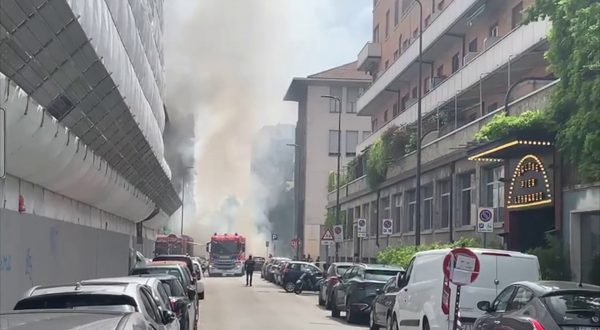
pixel 542 305
pixel 332 276
pixel 59 319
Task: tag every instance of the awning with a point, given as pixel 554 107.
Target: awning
pixel 511 147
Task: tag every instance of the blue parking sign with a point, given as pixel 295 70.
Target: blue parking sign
pixel 274 237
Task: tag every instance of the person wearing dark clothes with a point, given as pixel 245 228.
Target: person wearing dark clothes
pixel 249 266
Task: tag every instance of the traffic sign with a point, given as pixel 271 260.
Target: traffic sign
pixel 388 227
pixel 274 237
pixel 327 238
pixel 485 220
pixel 338 233
pixel 361 227
pixel 267 243
pixel 461 266
pixel 293 243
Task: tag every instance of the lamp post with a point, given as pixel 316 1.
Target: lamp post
pixel 183 195
pixel 296 222
pixel 419 122
pixel 338 105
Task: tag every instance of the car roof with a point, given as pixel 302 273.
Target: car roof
pixel 169 262
pixel 150 281
pixel 61 319
pixel 479 251
pixel 117 288
pixel 160 277
pixel 161 265
pixel 342 264
pixel 379 266
pixel 543 288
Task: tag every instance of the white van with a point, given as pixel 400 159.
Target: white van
pixel 419 302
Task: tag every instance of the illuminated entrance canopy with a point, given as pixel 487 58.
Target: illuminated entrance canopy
pixel 529 185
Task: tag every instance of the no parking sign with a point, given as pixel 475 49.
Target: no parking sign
pixel 485 220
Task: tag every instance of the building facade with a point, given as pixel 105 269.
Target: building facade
pixel 317 142
pixel 478 60
pixel 86 181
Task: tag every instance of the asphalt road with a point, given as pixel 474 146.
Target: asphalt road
pixel 229 304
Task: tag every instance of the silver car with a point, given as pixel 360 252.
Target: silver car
pixel 69 319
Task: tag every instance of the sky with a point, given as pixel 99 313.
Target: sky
pixel 230 62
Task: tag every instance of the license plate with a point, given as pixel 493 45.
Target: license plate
pixel 467 326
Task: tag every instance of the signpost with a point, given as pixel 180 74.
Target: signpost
pixel 388 227
pixel 338 233
pixel 460 267
pixel 327 238
pixel 361 228
pixel 485 222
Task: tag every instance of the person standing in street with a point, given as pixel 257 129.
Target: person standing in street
pixel 249 266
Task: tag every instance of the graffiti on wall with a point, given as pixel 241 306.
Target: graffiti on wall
pixel 29 266
pixel 5 263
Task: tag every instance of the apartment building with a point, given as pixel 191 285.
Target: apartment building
pixel 477 56
pixel 317 141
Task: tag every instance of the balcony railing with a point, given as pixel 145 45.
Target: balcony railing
pixel 490 60
pixel 369 56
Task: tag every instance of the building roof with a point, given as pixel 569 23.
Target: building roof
pixel 341 74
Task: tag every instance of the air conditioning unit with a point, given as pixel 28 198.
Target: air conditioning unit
pixel 438 80
pixel 490 41
pixel 469 57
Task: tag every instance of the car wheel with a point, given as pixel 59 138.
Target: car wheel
pixel 392 323
pixel 321 301
pixel 328 302
pixel 425 324
pixel 335 312
pixel 185 322
pixel 372 324
pixel 289 287
pixel 350 318
pixel 201 295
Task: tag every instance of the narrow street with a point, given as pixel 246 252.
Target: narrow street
pixel 229 304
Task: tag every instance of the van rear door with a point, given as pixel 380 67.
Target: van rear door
pixel 513 268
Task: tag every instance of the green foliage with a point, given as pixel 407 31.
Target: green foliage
pixel 574 56
pixel 378 161
pixel 401 255
pixel 554 263
pixel 332 183
pixel 502 125
pixel 330 220
pixel 351 170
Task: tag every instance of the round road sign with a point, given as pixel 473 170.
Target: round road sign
pixel 387 223
pixel 337 230
pixel 362 223
pixel 485 215
pixel 461 266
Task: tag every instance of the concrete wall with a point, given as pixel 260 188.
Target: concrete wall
pixel 36 250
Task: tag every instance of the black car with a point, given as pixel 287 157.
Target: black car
pixel 542 305
pixel 180 302
pixel 357 288
pixel 383 304
pixel 332 276
pixel 67 319
pixel 259 262
pixel 291 273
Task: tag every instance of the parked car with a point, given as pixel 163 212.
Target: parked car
pixel 181 304
pixel 199 287
pixel 542 305
pixel 199 276
pixel 259 263
pixel 418 304
pixel 278 271
pixel 158 290
pixel 357 288
pixel 291 272
pixel 125 297
pixel 332 276
pixel 383 304
pixel 272 266
pixel 321 265
pixel 189 261
pixel 70 319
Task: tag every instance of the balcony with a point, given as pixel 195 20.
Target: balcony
pixel 492 59
pixel 369 56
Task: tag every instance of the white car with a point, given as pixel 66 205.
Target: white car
pixel 199 275
pixel 419 302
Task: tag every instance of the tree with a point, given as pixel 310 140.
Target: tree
pixel 574 56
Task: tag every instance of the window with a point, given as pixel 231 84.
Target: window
pixel 455 62
pixel 349 222
pixel 426 84
pixel 517 15
pixel 493 190
pixel 351 142
pixel 492 107
pixel 387 23
pixel 337 92
pixel 333 142
pixel 164 296
pixel 427 20
pixel 440 71
pixel 150 306
pixel 376 34
pixel 465 198
pixel 445 209
pixel 373 219
pixel 395 111
pixel 501 303
pixel 374 125
pixel 440 5
pixel 396 12
pixel 385 116
pixel 521 298
pixel 387 64
pixel 397 212
pixel 386 210
pixel 494 30
pixel 427 219
pixel 351 99
pixel 473 46
pixel 365 135
pixel 400 46
pixel 416 33
pixel 396 54
pixel 403 102
pixel 412 201
pixel 415 93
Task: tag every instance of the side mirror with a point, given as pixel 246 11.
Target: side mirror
pixel 208 247
pixel 191 293
pixel 168 316
pixel 484 306
pixel 399 280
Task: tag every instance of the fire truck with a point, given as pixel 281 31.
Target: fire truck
pixel 173 244
pixel 227 254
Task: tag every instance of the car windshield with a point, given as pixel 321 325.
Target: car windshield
pixel 574 308
pixel 159 270
pixel 76 301
pixel 342 269
pixel 224 247
pixel 380 274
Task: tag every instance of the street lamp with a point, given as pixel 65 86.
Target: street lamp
pixel 296 222
pixel 419 122
pixel 183 194
pixel 338 104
